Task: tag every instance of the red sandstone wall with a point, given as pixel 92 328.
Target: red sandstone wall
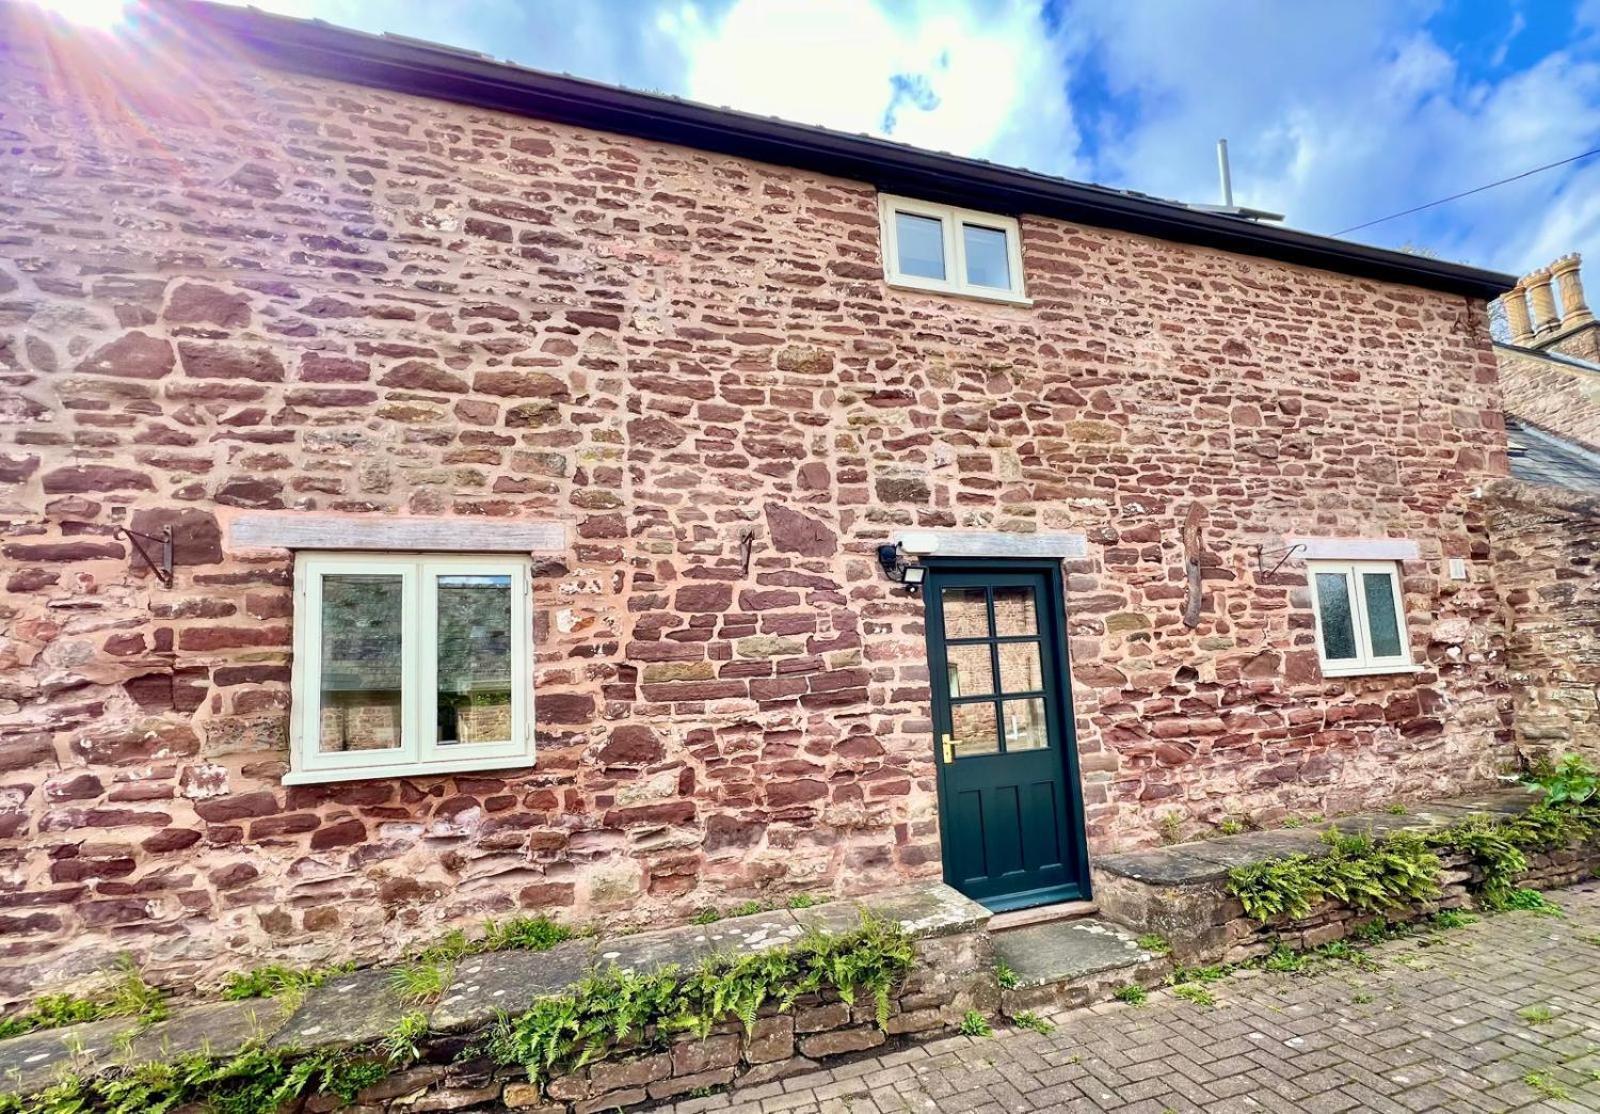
pixel 1553 396
pixel 1547 566
pixel 271 292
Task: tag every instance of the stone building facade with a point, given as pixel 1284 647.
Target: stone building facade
pixel 238 291
pixel 1547 566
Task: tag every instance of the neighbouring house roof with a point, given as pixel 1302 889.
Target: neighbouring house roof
pixel 1540 457
pixel 432 70
pixel 1548 354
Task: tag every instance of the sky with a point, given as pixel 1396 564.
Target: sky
pixel 1337 112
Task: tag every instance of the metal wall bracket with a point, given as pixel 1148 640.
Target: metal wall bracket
pixel 163 570
pixel 1283 556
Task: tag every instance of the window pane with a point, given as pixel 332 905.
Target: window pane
pixel 966 613
pixel 1013 611
pixel 474 659
pixel 1383 624
pixel 361 665
pixel 988 263
pixel 1338 629
pixel 973 727
pixel 1019 667
pixel 970 671
pixel 919 242
pixel 1025 727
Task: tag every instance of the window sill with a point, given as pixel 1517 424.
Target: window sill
pixel 971 293
pixel 408 769
pixel 1368 670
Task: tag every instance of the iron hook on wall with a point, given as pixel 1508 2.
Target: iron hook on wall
pixel 1283 557
pixel 163 570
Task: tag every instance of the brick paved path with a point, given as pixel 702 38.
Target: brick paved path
pixel 1435 1026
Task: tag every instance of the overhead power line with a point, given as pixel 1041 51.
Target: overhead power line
pixel 1469 193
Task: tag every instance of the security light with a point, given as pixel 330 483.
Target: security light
pixel 895 568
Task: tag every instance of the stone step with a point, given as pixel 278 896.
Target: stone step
pixel 1073 963
pixel 1041 914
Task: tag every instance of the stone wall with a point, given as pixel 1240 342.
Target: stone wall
pixel 1552 395
pixel 233 289
pixel 1331 921
pixel 951 973
pixel 1181 893
pixel 1547 564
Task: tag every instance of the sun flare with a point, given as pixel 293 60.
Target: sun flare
pixel 101 15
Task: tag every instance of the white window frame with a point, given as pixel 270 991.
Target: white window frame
pixel 419 752
pixel 950 221
pixel 1365 663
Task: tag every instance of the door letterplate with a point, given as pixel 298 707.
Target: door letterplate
pixel 949 749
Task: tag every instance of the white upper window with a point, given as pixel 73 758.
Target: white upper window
pixel 410 664
pixel 938 247
pixel 1360 611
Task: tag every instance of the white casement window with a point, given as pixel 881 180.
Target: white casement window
pixel 1361 618
pixel 956 251
pixel 414 664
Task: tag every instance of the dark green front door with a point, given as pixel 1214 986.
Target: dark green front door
pixel 1011 815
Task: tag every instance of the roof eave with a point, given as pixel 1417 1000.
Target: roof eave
pixel 405 66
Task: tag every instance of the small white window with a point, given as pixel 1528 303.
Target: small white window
pixel 410 665
pixel 956 251
pixel 1360 612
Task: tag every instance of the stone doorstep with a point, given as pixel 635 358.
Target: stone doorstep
pixel 362 1007
pixel 1072 963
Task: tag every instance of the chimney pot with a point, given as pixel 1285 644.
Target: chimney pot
pixel 1545 320
pixel 1515 302
pixel 1574 311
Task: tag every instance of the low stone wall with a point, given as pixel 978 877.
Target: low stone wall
pixel 953 973
pixel 1181 893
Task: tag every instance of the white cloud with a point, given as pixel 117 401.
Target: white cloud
pixel 985 80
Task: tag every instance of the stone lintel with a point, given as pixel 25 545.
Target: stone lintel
pixel 445 534
pixel 1355 549
pixel 993 543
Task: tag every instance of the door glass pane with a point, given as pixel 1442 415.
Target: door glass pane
pixel 973 728
pixel 919 241
pixel 966 613
pixel 1383 623
pixel 1025 724
pixel 1014 611
pixel 361 665
pixel 971 673
pixel 987 261
pixel 474 625
pixel 1338 629
pixel 1019 667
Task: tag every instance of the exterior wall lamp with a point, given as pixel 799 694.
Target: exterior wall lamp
pixel 893 562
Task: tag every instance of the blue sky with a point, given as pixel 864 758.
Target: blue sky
pixel 1336 112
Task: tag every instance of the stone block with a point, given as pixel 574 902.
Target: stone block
pixel 690 1057
pixel 819 1019
pixel 614 1075
pixel 840 1041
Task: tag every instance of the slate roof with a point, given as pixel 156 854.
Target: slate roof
pixel 1540 457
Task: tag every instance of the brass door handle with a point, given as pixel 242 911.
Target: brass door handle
pixel 949 748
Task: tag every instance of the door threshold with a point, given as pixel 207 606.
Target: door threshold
pixel 1042 914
